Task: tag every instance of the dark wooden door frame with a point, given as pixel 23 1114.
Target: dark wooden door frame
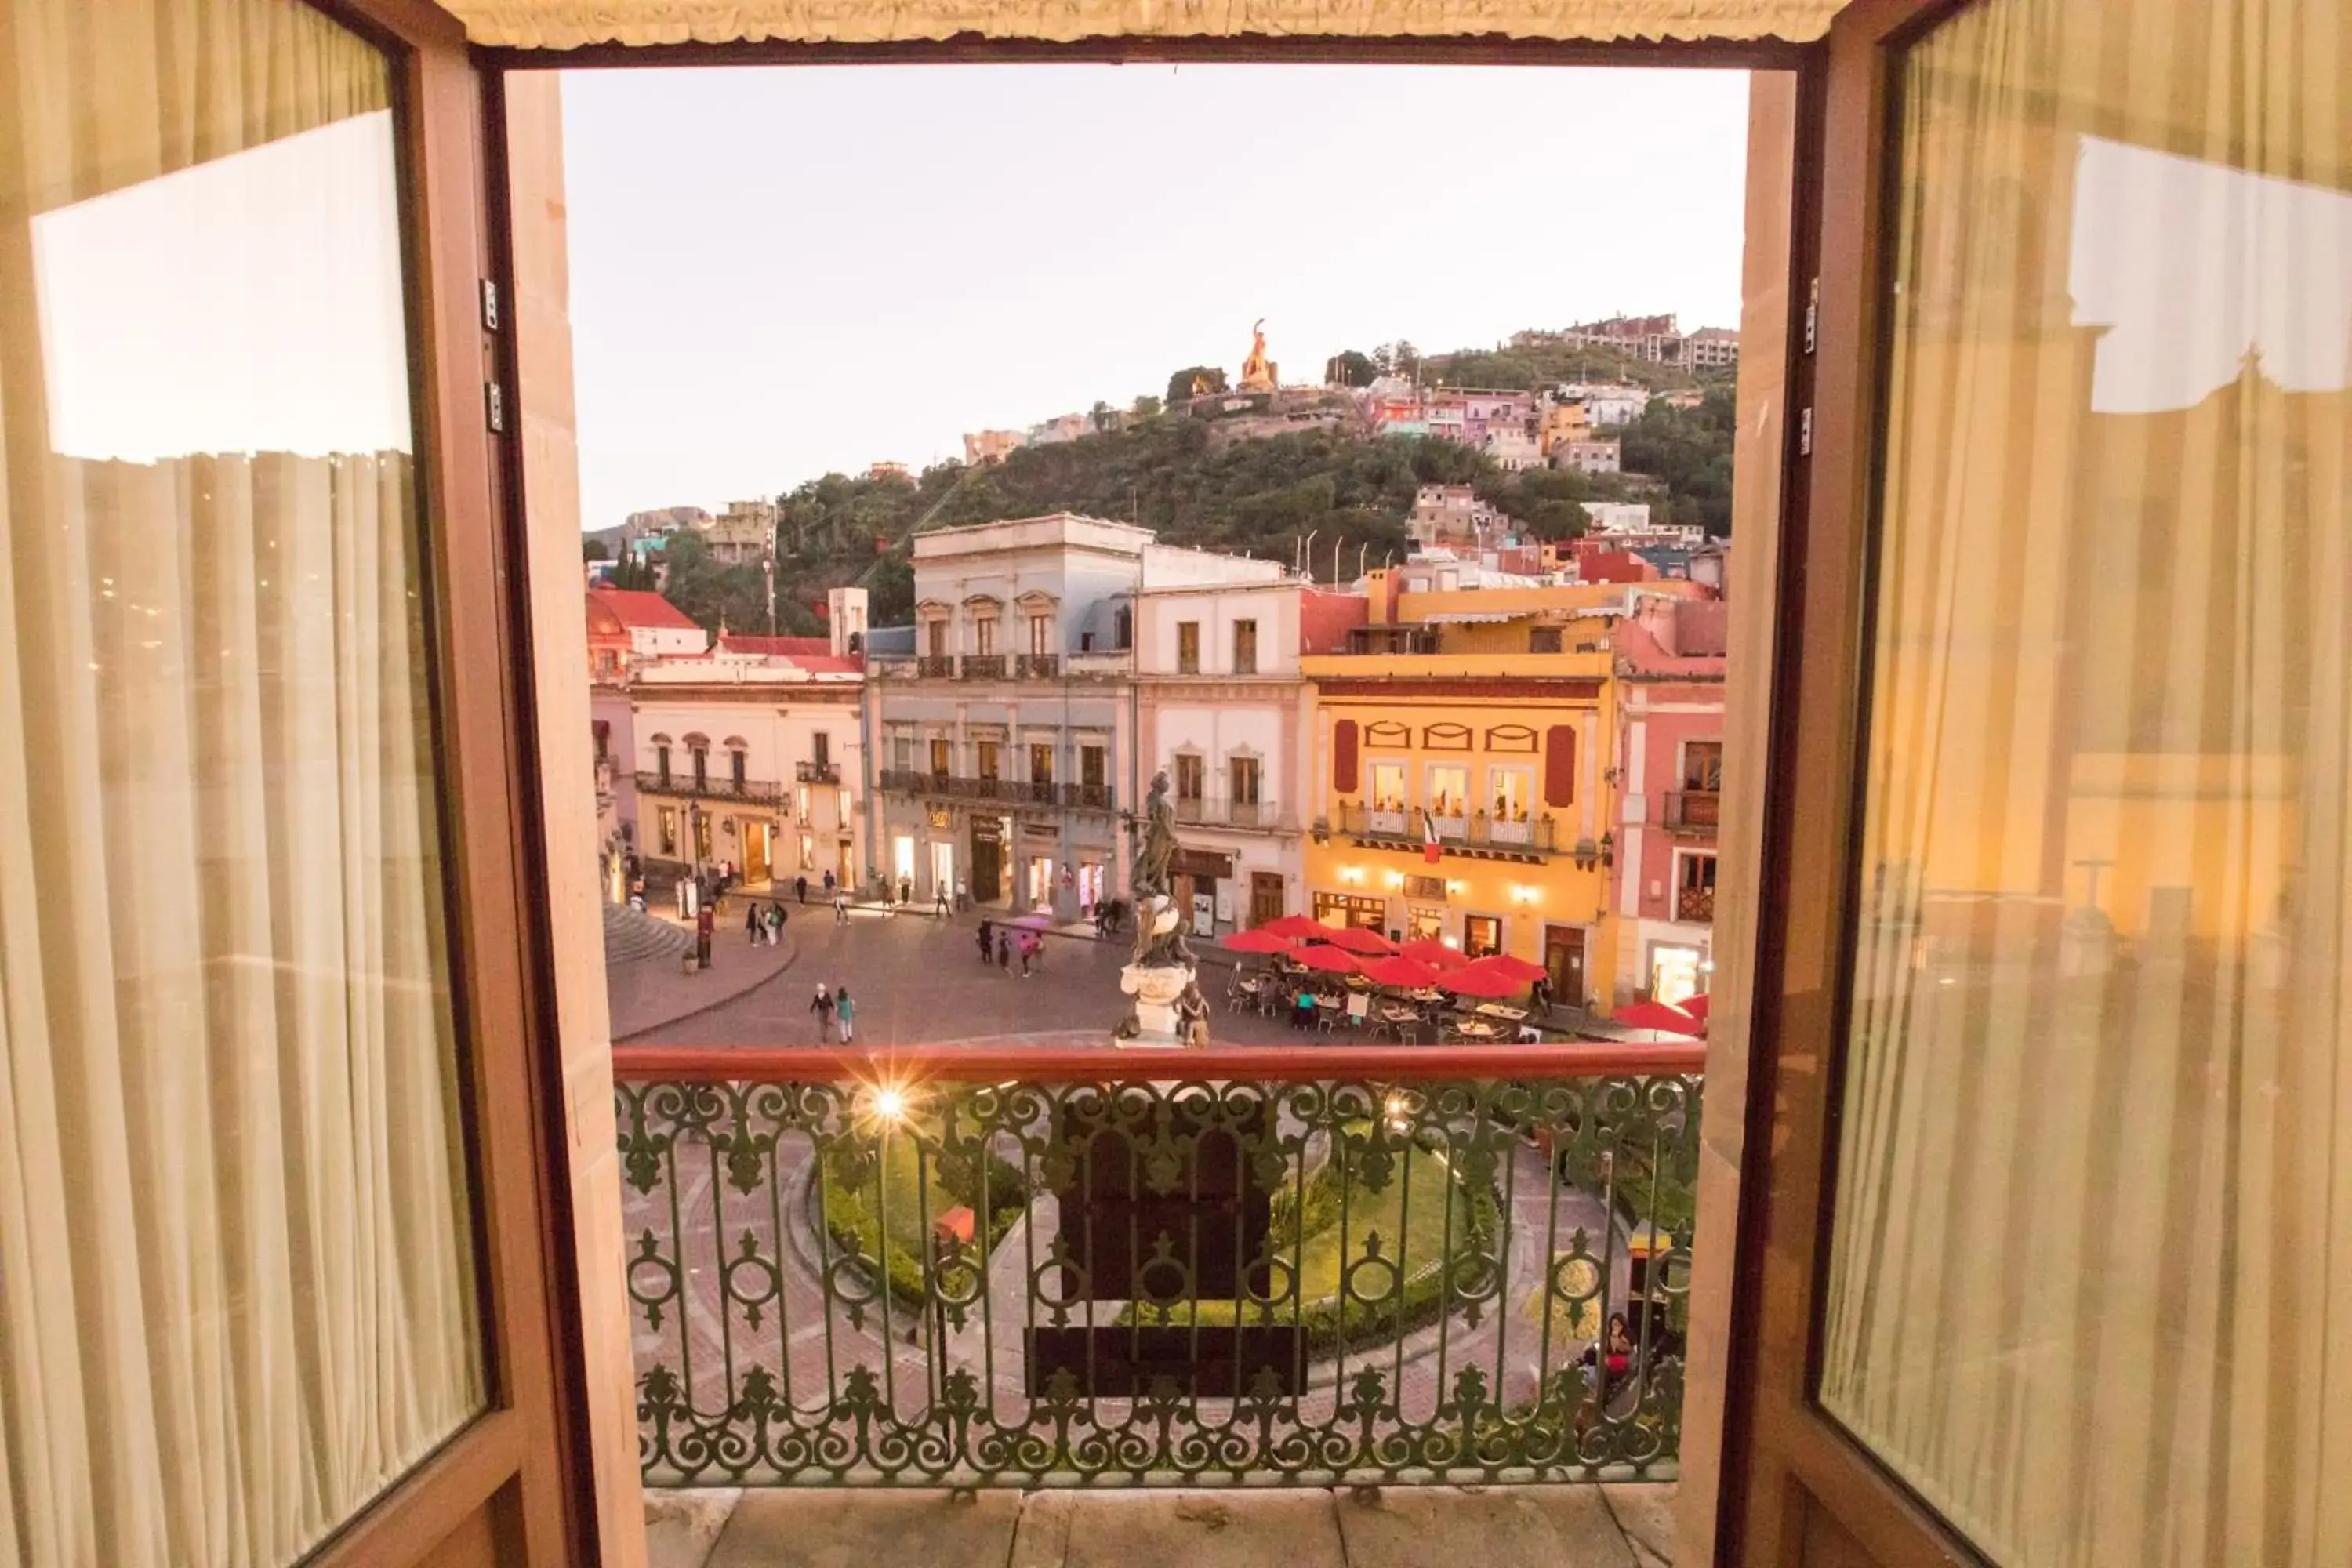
pixel 518 1479
pixel 1791 1457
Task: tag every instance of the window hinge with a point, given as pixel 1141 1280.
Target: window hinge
pixel 1812 313
pixel 493 400
pixel 1805 432
pixel 490 308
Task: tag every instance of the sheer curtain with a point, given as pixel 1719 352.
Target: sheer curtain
pixel 236 1269
pixel 2090 1276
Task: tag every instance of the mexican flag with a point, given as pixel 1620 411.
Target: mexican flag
pixel 1428 836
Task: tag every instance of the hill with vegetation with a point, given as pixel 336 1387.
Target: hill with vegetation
pixel 1350 492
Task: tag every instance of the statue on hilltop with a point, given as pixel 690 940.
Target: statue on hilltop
pixel 1258 371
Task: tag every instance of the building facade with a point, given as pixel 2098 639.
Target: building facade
pixel 1587 457
pixel 753 758
pixel 743 534
pixel 991 446
pixel 1001 747
pixel 1478 719
pixel 1224 713
pixel 1668 746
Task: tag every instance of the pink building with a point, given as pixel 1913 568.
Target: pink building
pixel 1669 746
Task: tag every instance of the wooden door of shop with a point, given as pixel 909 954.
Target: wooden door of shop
pixel 1563 959
pixel 1266 897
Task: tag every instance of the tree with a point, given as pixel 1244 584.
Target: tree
pixel 634 572
pixel 1209 377
pixel 1349 368
pixel 1146 407
pixel 594 550
pixel 890 591
pixel 1399 358
pixel 1101 415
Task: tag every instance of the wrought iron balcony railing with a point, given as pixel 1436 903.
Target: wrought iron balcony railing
pixel 1695 904
pixel 1090 796
pixel 828 772
pixel 935 667
pixel 1028 1267
pixel 711 787
pixel 959 786
pixel 1037 666
pixel 984 667
pixel 1693 810
pixel 1216 812
pixel 1477 832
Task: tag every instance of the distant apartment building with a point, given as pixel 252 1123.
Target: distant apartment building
pixel 742 534
pixel 629 627
pixel 753 755
pixel 1711 348
pixel 991 446
pixel 1224 713
pixel 1668 749
pixel 889 470
pixel 1607 403
pixel 1514 449
pixel 1564 422
pixel 1587 457
pixel 1060 428
pixel 1452 514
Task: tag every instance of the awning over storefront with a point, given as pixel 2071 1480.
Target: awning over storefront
pixel 569 23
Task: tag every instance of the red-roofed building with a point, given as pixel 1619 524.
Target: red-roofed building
pixel 1670 653
pixel 773 648
pixel 634 626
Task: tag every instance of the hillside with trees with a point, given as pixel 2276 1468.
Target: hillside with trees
pixel 1350 492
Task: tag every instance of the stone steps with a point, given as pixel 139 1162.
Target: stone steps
pixel 630 935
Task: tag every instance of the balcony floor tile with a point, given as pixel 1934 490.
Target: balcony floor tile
pixel 1568 1526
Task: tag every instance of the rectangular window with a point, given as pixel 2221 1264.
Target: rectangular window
pixel 1511 791
pixel 1093 766
pixel 1449 792
pixel 1041 763
pixel 661 763
pixel 935 638
pixel 983 635
pixel 841 807
pixel 1244 648
pixel 701 834
pixel 670 833
pixel 1041 634
pixel 943 756
pixel 987 753
pixel 1543 639
pixel 821 749
pixel 701 757
pixel 603 743
pixel 1481 935
pixel 1188 647
pixel 1701 764
pixel 1242 778
pixel 736 765
pixel 902 753
pixel 1343 910
pixel 1387 793
pixel 1190 772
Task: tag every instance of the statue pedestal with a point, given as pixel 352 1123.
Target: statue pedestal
pixel 1155 988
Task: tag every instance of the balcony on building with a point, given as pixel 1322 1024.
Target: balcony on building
pixel 1220 811
pixel 1692 810
pixel 1480 834
pixel 817 771
pixel 709 786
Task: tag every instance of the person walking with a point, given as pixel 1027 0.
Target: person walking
pixel 1003 952
pixel 1028 948
pixel 705 927
pixel 963 894
pixel 842 1016
pixel 987 941
pixel 823 1008
pixel 800 886
pixel 828 882
pixel 752 921
pixel 906 889
pixel 1540 996
pixel 841 906
pixel 939 900
pixel 775 924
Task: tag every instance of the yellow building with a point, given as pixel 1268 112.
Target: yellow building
pixel 1482 716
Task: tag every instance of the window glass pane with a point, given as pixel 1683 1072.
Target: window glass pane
pixel 235 1223
pixel 2085 1290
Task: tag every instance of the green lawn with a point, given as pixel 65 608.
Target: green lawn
pixel 890 1209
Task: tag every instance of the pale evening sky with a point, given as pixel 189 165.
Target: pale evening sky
pixel 778 272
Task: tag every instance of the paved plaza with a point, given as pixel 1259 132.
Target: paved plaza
pixel 915 980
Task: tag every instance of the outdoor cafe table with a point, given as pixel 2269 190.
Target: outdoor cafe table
pixel 1497 1010
pixel 1469 1029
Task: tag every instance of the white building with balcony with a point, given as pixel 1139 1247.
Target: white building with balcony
pixel 753 759
pixel 1004 748
pixel 1224 711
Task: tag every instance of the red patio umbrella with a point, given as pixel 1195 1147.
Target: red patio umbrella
pixel 1659 1017
pixel 1472 981
pixel 1258 941
pixel 1514 969
pixel 1297 928
pixel 1404 973
pixel 1359 938
pixel 1696 1006
pixel 1328 959
pixel 1432 951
